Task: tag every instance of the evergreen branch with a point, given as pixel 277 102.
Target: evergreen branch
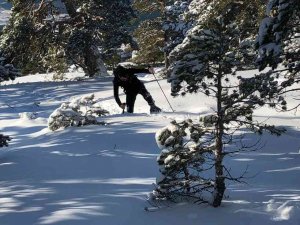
pixel 290 90
pixel 288 110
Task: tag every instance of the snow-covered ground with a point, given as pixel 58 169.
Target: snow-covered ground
pixel 4 12
pixel 100 175
pixel 4 16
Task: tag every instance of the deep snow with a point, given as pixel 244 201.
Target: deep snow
pixel 98 175
pixel 4 12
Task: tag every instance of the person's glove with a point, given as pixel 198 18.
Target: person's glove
pixel 122 106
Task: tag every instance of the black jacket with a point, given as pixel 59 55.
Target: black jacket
pixel 132 85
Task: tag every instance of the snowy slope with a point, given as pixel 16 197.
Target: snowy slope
pixel 4 4
pixel 98 175
pixel 4 12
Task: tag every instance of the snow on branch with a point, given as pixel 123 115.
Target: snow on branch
pixel 185 154
pixel 79 112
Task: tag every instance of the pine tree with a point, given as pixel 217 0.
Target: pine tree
pixel 278 40
pixel 51 35
pixel 17 38
pixel 183 15
pixel 150 39
pixel 206 61
pixel 103 24
pixel 150 34
pixel 175 25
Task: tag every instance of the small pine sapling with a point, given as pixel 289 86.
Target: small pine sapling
pixel 186 150
pixel 78 112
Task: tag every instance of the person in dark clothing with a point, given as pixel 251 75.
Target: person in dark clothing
pixel 125 78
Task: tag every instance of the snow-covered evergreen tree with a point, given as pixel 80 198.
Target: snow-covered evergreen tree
pixel 206 61
pixel 79 112
pixel 163 29
pixel 100 24
pixel 51 35
pixel 18 37
pixel 149 33
pixel 278 40
pixel 185 156
pixel 150 39
pixel 183 15
pixel 176 23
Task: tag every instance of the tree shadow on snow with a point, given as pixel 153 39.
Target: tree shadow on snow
pixel 78 174
pixel 272 189
pixel 101 175
pixel 45 96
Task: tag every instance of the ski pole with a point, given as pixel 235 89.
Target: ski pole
pixel 162 90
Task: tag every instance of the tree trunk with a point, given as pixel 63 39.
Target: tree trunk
pixel 220 187
pixel 94 65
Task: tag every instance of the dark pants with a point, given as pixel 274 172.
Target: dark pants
pixel 131 97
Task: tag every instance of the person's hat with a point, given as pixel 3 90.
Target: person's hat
pixel 120 71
